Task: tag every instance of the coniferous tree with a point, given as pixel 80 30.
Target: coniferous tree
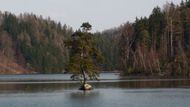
pixel 84 57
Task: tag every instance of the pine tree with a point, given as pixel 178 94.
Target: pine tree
pixel 84 57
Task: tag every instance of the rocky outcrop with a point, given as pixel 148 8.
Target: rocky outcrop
pixel 86 87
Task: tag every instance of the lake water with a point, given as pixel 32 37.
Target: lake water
pixel 111 91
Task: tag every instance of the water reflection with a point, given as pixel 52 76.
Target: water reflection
pixel 106 93
pixel 144 84
pixel 83 94
pixel 61 86
pixel 11 88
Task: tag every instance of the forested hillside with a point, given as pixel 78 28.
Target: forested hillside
pixel 154 45
pixel 30 43
pixel 107 42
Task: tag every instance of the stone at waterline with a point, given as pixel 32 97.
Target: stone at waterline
pixel 86 87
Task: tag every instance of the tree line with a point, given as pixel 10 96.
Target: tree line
pixel 33 42
pixel 154 45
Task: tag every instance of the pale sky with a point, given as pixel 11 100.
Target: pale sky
pixel 102 14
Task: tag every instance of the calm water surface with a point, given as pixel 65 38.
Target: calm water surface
pixel 59 91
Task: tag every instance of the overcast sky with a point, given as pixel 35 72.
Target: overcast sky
pixel 102 14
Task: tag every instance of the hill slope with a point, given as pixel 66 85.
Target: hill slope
pixel 30 43
pixel 155 45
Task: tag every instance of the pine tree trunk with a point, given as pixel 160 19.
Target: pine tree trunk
pixel 84 76
pixel 84 85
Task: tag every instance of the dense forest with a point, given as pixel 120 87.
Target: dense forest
pixel 30 43
pixel 155 45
